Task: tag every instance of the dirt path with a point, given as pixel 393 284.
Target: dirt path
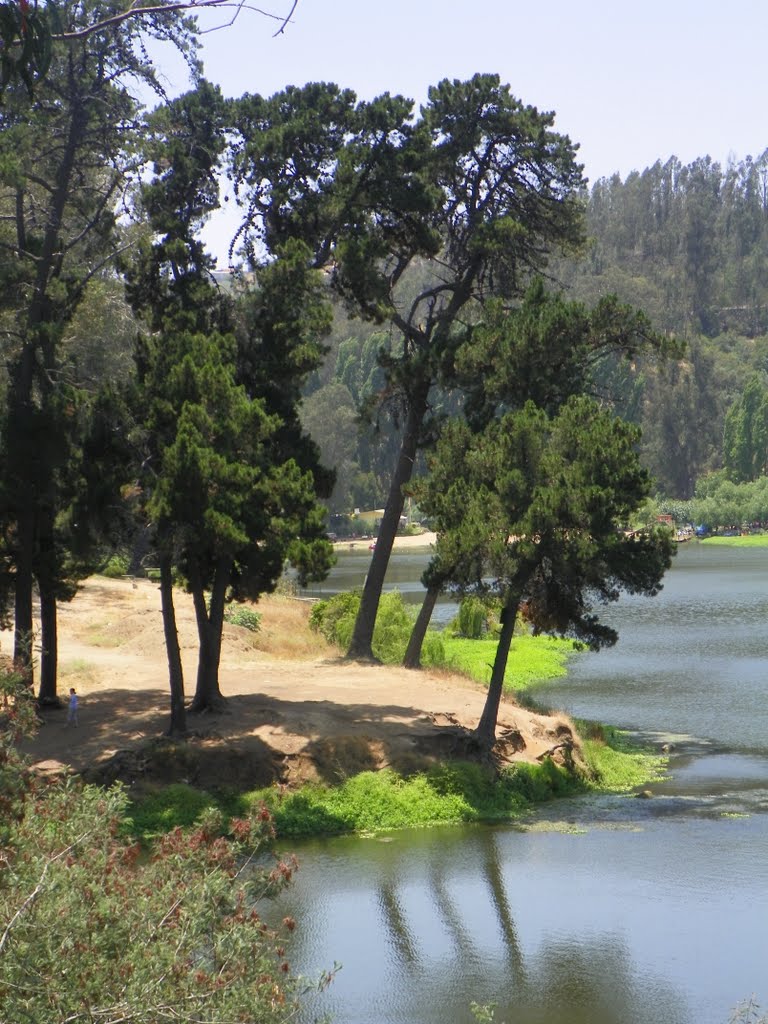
pixel 291 714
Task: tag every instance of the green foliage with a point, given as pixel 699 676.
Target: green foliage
pixel 615 761
pixel 130 936
pixel 472 619
pixel 533 659
pixel 394 622
pixel 230 482
pixel 25 43
pixel 116 567
pixel 745 436
pixel 241 615
pixel 451 792
pixel 721 503
pixel 175 806
pixel 681 511
pixel 335 619
pixel 17 721
pixel 448 793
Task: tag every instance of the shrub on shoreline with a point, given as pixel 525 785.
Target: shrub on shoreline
pixel 448 793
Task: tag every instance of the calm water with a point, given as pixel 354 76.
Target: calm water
pixel 606 910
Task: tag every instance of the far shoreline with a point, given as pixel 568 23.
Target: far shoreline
pixel 416 542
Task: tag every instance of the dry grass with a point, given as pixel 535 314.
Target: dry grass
pixel 285 631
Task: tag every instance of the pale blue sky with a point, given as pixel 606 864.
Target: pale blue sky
pixel 629 84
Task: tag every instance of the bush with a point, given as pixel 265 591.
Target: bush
pixel 242 615
pixel 335 620
pixel 472 620
pixel 116 567
pixel 109 933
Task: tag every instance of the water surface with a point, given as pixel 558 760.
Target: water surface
pixel 605 910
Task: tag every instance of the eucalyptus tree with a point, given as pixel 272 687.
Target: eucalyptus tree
pixel 474 192
pixel 66 157
pixel 227 479
pixel 544 499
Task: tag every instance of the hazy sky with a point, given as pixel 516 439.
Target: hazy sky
pixel 630 83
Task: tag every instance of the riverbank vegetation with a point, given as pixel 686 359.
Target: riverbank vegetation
pixel 467 645
pixel 94 928
pixel 448 793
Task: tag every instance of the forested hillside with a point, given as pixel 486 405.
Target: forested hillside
pixel 688 244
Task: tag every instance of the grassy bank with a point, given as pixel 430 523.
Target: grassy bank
pixel 450 793
pixel 374 802
pixel 752 540
pixel 532 659
pixel 453 792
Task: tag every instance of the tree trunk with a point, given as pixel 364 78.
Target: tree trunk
pixel 210 624
pixel 47 696
pixel 362 637
pixel 23 626
pixel 139 550
pixel 486 728
pixel 31 480
pixel 412 657
pixel 178 723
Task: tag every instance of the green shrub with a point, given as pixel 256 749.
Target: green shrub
pixel 111 934
pixel 116 567
pixel 335 620
pixel 242 615
pixel 454 792
pixel 472 619
pixel 394 623
pixel 615 761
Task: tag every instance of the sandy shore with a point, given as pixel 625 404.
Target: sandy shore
pixel 423 540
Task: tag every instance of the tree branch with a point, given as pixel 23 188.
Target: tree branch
pixel 169 8
pixel 37 890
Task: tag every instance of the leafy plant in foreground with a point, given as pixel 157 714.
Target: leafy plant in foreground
pixel 90 930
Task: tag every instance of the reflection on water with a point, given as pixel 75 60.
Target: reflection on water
pixel 607 910
pixel 607 926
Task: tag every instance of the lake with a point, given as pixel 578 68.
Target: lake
pixel 607 910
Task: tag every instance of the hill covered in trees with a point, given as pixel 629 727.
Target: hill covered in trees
pixel 688 244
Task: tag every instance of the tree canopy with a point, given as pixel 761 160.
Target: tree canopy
pixel 474 194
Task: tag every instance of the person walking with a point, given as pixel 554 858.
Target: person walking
pixel 72 718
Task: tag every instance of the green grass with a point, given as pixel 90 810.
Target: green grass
pixel 175 805
pixel 616 762
pixel 752 540
pixel 373 802
pixel 368 803
pixel 532 659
